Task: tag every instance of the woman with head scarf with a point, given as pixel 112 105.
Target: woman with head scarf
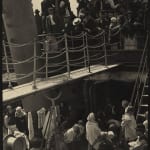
pixel 93 132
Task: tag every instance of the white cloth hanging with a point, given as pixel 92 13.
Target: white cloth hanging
pixel 52 20
pixel 49 125
pixel 41 117
pixel 30 126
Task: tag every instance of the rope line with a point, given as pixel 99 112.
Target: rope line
pixel 77 59
pixel 96 46
pixel 53 71
pixel 80 50
pixel 20 62
pixel 77 47
pixel 95 36
pixel 71 64
pixel 41 68
pixel 76 36
pixel 114 34
pixel 54 64
pixel 18 45
pixel 95 55
pixel 40 57
pixel 95 59
pixel 56 55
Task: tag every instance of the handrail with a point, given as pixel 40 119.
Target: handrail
pixel 92 53
pixel 140 66
pixel 142 93
pixel 140 83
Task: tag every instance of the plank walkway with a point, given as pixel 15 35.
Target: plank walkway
pixel 41 84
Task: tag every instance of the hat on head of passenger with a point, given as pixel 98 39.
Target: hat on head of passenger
pixel 18 108
pixel 111 134
pixel 76 21
pixel 91 117
pixel 113 19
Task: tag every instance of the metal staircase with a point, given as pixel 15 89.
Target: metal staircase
pixel 140 94
pixel 143 104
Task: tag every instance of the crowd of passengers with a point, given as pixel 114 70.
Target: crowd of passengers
pixel 92 17
pixel 107 129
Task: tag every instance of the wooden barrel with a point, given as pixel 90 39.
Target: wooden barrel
pixel 11 142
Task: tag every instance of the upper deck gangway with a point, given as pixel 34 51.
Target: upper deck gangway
pixel 66 58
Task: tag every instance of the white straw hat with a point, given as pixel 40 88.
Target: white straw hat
pixel 76 21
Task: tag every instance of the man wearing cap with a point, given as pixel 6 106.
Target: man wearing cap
pixel 38 20
pixel 114 33
pixel 51 21
pixel 20 116
pixel 71 136
pixel 45 4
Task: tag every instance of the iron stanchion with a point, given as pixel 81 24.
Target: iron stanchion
pixel 34 66
pixel 85 59
pixel 87 51
pixel 67 55
pixel 7 65
pixel 105 51
pixel 46 63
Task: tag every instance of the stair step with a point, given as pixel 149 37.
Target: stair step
pixel 141 115
pixel 144 105
pixel 146 95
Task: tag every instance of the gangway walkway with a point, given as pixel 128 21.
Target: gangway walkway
pixel 27 89
pixel 66 59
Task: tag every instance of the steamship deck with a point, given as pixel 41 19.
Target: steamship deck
pixel 27 89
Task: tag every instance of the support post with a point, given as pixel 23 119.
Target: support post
pixel 85 59
pixel 34 66
pixel 67 55
pixel 7 66
pixel 46 52
pixel 87 51
pixel 105 51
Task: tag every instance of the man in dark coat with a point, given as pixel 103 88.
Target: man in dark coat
pixel 45 4
pixel 38 20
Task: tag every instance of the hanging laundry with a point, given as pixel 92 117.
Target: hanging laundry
pixel 49 125
pixel 30 126
pixel 41 117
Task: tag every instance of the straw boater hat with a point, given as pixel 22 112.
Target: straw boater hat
pixel 18 108
pixel 76 21
pixel 113 19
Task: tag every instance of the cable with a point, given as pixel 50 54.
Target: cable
pixel 97 46
pixel 95 59
pixel 58 64
pixel 80 50
pixel 77 47
pixel 56 55
pixel 21 62
pixel 77 59
pixel 97 35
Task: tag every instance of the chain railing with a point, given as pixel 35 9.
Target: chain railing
pixel 62 54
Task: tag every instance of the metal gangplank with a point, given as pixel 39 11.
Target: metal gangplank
pixel 66 58
pixel 27 89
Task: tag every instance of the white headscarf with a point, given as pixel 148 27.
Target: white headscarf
pixel 91 117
